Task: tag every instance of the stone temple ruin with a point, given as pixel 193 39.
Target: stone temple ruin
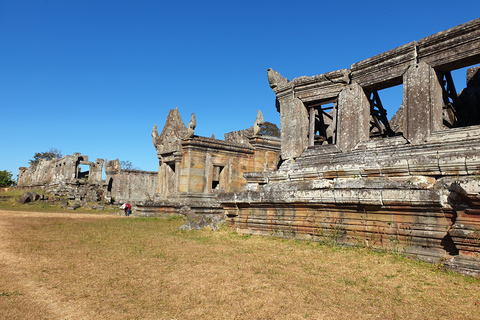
pixel 341 171
pixel 350 176
pixel 65 177
pixel 193 170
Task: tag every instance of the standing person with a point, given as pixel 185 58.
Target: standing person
pixel 128 208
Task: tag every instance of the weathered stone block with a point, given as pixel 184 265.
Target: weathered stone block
pixel 294 124
pixel 346 196
pixel 422 96
pixel 424 165
pixel 452 164
pixel 472 162
pixel 386 69
pixel 322 86
pixel 28 197
pixel 452 49
pixel 370 197
pixel 354 112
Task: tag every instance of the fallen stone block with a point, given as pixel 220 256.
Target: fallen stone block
pixel 28 197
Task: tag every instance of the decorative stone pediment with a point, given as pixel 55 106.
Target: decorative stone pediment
pixel 172 134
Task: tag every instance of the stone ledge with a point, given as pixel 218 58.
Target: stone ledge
pixel 386 69
pixel 452 49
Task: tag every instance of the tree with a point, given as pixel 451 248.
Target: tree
pixel 6 179
pixel 269 129
pixel 49 155
pixel 127 165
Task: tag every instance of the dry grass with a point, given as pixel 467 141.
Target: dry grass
pixel 85 267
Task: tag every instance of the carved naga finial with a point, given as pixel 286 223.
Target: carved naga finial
pixel 275 79
pixel 154 133
pixel 258 123
pixel 191 127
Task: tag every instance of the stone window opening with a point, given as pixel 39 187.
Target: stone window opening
pixel 168 179
pixel 379 125
pixel 83 171
pixel 217 170
pixel 110 185
pixel 460 109
pixel 171 164
pixel 449 96
pixel 322 122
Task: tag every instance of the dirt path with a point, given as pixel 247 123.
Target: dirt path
pixel 15 267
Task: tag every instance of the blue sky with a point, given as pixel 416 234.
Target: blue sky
pixel 94 76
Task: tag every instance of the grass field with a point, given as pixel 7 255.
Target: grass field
pixel 102 266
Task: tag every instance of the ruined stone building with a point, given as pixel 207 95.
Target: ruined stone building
pixel 124 185
pixel 66 169
pixel 350 176
pixel 193 169
pixel 81 180
pixel 66 177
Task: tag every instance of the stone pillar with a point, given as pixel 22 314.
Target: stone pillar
pixel 294 121
pixel 353 117
pixel 96 169
pixel 422 98
pixel 71 168
pixel 294 125
pixel 159 177
pixel 178 171
pixel 163 179
pixel 311 135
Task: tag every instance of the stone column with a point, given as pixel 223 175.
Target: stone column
pixel 96 169
pixel 353 117
pixel 422 98
pixel 311 135
pixel 178 171
pixel 294 124
pixel 159 176
pixel 162 179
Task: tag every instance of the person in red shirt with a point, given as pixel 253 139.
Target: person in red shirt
pixel 128 208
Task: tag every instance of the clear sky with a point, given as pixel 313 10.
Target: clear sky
pixel 94 76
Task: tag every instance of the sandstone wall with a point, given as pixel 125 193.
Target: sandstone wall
pixel 63 170
pixel 132 186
